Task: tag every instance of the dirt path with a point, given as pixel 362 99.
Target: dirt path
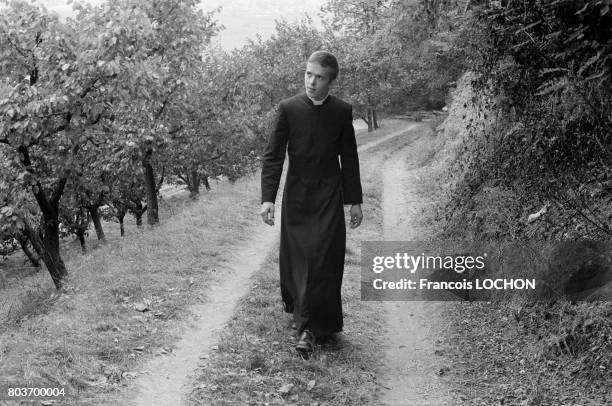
pixel 409 376
pixel 387 137
pixel 167 375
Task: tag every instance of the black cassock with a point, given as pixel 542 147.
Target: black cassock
pixel 313 232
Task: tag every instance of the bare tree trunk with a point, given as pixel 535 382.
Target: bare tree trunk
pixel 32 256
pixel 374 119
pixel 95 217
pixel 52 246
pixel 121 210
pixel 121 216
pixel 48 249
pixel 138 210
pixel 151 191
pixel 368 120
pixel 205 181
pixel 47 245
pixel 80 233
pixel 194 185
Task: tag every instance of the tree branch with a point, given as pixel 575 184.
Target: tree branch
pixel 165 102
pixel 19 50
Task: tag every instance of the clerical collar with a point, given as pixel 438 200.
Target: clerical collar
pixel 318 102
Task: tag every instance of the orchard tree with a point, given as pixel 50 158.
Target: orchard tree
pixel 60 78
pixel 127 191
pixel 180 31
pixel 36 115
pixel 426 35
pixel 75 220
pixel 276 66
pixel 357 28
pixel 89 190
pixel 65 81
pixel 219 127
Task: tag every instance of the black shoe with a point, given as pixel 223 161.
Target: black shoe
pixel 306 343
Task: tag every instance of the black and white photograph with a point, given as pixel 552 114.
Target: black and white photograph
pixel 306 202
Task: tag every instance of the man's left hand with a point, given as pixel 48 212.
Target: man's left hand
pixel 356 215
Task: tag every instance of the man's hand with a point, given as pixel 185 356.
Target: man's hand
pixel 267 213
pixel 356 215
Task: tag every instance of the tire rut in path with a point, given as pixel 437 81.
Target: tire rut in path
pixel 409 373
pixel 169 375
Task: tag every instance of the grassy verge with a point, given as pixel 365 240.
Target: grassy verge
pixel 127 300
pixel 521 353
pixel 540 355
pixel 24 288
pixel 255 362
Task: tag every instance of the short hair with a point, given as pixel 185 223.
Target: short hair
pixel 326 60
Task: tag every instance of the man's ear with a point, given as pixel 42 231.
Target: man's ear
pixel 332 83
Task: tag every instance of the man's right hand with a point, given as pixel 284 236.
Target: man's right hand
pixel 267 213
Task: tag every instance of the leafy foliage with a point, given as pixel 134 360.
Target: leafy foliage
pixel 87 104
pixel 545 68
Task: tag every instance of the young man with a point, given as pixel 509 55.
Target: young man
pixel 315 128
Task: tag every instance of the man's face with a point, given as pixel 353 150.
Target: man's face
pixel 317 80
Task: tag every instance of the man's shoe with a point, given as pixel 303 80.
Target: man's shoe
pixel 306 343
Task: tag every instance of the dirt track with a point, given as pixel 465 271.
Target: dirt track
pixel 409 375
pixel 166 376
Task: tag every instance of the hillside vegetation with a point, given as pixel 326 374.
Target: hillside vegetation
pixel 528 160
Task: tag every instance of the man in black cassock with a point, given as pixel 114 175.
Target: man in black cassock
pixel 315 128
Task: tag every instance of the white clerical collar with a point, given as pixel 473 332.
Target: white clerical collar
pixel 318 102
